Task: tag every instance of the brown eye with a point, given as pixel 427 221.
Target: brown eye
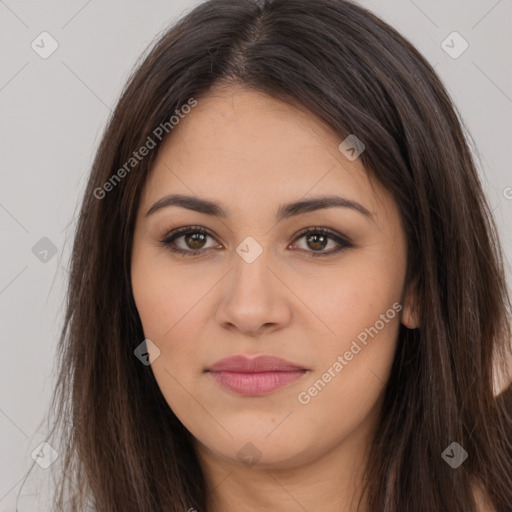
pixel 317 239
pixel 192 241
pixel 317 242
pixel 188 241
pixel 195 240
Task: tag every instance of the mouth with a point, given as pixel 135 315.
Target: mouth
pixel 255 376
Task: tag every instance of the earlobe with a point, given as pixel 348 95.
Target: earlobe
pixel 410 313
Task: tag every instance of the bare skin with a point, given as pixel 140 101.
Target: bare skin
pixel 251 153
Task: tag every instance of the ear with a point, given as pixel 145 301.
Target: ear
pixel 410 313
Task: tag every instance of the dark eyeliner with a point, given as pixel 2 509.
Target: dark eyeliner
pixel 343 242
pixel 177 233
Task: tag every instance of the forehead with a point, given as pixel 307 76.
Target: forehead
pixel 238 124
pixel 241 142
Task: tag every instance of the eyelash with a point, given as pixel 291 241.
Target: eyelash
pixel 178 233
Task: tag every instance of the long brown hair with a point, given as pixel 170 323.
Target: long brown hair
pixel 121 445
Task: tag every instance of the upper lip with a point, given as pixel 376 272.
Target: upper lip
pixel 244 364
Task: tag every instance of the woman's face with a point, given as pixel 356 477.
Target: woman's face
pixel 328 304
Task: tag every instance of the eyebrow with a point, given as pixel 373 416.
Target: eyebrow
pixel 284 211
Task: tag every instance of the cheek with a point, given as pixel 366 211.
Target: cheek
pixel 164 295
pixel 154 304
pixel 353 366
pixel 167 317
pixel 352 298
pixel 172 303
pixel 361 308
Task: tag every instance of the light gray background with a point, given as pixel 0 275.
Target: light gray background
pixel 53 112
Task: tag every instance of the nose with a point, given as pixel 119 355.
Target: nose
pixel 253 300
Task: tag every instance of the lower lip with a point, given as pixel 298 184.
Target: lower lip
pixel 255 384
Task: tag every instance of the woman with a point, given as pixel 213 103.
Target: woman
pixel 286 289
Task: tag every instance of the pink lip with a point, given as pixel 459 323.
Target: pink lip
pixel 255 376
